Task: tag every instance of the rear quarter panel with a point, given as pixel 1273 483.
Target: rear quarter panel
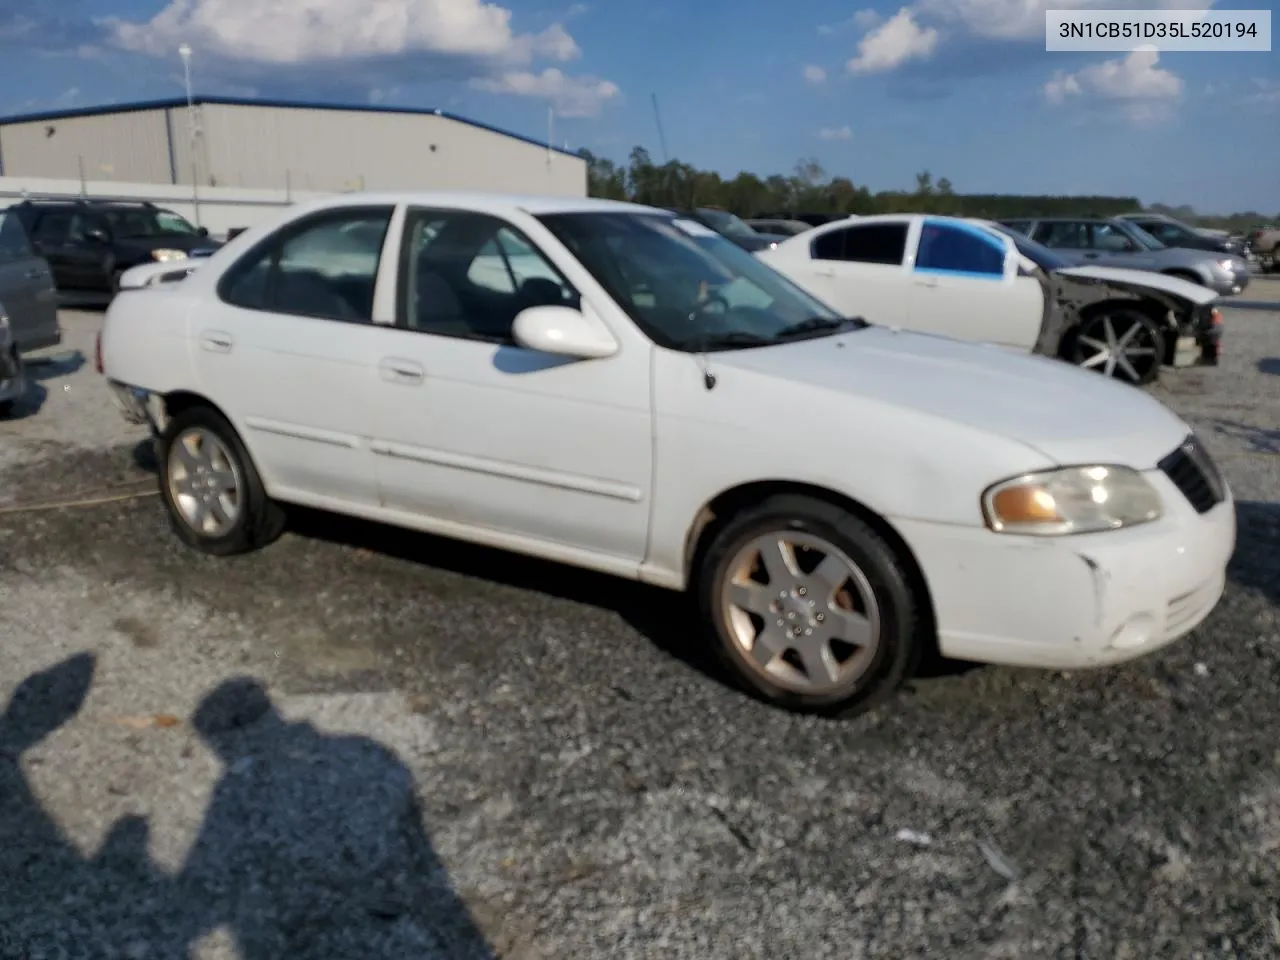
pixel 146 340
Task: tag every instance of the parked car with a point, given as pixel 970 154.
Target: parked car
pixel 812 219
pixel 1175 233
pixel 733 227
pixel 1264 241
pixel 91 243
pixel 28 308
pixel 974 280
pixel 837 496
pixel 779 228
pixel 1120 243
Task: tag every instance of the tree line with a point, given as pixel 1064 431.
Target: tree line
pixel 809 189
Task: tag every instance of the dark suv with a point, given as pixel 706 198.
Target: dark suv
pixel 90 243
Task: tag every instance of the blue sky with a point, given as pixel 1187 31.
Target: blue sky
pixel 962 88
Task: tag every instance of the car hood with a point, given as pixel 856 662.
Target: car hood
pixel 196 246
pixel 1069 415
pixel 1140 281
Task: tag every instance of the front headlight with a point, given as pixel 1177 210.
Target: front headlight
pixel 1071 500
pixel 164 256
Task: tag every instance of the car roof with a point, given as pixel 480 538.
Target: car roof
pixel 496 202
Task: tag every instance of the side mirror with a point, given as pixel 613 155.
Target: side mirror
pixel 97 235
pixel 202 231
pixel 563 331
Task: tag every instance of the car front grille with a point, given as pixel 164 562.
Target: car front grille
pixel 1193 472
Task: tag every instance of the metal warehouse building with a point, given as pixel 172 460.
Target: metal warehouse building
pixel 283 146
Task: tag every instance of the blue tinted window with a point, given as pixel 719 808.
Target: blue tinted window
pixel 947 247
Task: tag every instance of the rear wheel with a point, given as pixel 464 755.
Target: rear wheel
pixel 811 610
pixel 1121 343
pixel 215 498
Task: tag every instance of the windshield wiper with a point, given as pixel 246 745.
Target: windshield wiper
pixel 817 326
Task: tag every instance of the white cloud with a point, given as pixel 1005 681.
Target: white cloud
pixel 1144 91
pixel 1266 92
pixel 306 31
pixel 1024 19
pixel 865 19
pixel 570 96
pixel 835 133
pixel 577 10
pixel 815 75
pixel 893 43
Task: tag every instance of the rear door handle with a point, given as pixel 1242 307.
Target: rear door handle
pixel 824 272
pixel 37 274
pixel 395 370
pixel 929 282
pixel 215 341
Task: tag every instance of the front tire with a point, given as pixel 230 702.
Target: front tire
pixel 215 498
pixel 1124 344
pixel 810 609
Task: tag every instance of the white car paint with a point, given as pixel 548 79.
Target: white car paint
pixel 609 463
pixel 1005 310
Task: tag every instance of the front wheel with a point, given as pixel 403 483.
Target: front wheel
pixel 214 496
pixel 1124 344
pixel 810 609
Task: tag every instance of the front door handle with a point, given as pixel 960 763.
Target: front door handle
pixel 929 282
pixel 215 341
pixel 1091 256
pixel 37 274
pixel 396 370
pixel 824 272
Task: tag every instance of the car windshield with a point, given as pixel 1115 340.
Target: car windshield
pixel 1037 253
pixel 1140 236
pixel 148 223
pixel 726 223
pixel 687 287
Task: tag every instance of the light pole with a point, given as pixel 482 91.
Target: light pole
pixel 184 52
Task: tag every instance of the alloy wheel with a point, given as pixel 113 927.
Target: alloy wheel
pixel 1124 346
pixel 205 484
pixel 801 612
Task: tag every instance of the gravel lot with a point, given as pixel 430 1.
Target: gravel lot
pixel 465 754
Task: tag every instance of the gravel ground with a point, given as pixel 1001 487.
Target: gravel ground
pixel 462 754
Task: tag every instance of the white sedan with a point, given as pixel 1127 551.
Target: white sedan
pixel 649 400
pixel 976 280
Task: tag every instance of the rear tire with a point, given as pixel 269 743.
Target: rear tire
pixel 214 496
pixel 832 628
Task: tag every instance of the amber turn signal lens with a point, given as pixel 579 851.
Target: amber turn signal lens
pixel 1029 504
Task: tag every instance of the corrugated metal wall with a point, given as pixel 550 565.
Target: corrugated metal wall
pixel 303 149
pixel 132 147
pixel 316 149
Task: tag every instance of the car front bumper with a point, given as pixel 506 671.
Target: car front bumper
pixel 1236 283
pixel 1075 602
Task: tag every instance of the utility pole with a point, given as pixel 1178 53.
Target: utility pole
pixel 184 52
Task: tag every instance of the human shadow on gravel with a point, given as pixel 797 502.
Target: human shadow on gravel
pixel 312 847
pixel 1269 365
pixel 1256 561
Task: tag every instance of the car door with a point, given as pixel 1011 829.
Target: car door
pixel 860 270
pixel 49 234
pixel 26 288
pixel 288 347
pixel 476 430
pixel 965 283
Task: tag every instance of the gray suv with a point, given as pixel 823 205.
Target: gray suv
pixel 1111 242
pixel 28 308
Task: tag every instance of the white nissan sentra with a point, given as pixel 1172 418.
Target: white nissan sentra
pixel 613 387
